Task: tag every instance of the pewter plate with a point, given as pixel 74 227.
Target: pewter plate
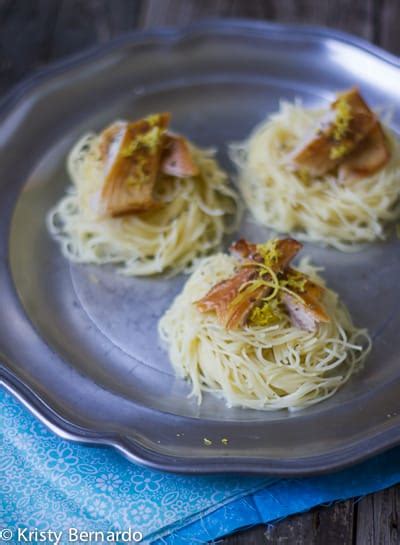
pixel 84 355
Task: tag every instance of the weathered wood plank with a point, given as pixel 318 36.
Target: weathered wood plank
pixel 378 518
pixel 323 526
pixel 355 16
pixel 37 31
pixel 26 31
pixel 388 16
pixel 252 536
pixel 335 524
pixel 82 23
pixel 298 529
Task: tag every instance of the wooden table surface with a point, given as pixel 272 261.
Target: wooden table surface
pixel 35 32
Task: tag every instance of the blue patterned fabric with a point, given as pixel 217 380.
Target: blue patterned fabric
pixel 47 483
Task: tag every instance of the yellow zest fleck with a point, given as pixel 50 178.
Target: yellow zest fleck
pixel 141 147
pixel 269 252
pixel 340 129
pixel 343 118
pixel 251 286
pixel 295 280
pixel 207 442
pixel 131 181
pixel 270 309
pixel 129 149
pixel 148 140
pixel 269 313
pixel 338 151
pixel 224 441
pixel 153 119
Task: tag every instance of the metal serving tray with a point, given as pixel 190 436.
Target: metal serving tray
pixel 84 356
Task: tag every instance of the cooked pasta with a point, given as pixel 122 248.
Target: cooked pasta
pixel 269 367
pixel 196 213
pixel 339 213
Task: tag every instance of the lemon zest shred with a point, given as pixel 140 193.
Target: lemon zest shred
pixel 148 140
pixel 267 314
pixel 295 280
pixel 342 120
pixel 269 251
pixel 269 310
pixel 336 152
pixel 340 129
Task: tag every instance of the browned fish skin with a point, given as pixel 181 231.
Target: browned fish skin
pixel 132 171
pixel 308 312
pixel 362 118
pixel 133 155
pixel 177 160
pixel 370 156
pixel 244 249
pixel 317 155
pixel 239 313
pixel 288 248
pixel 220 297
pixel 222 294
pixel 233 302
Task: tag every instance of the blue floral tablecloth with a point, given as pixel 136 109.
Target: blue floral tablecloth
pixel 48 484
